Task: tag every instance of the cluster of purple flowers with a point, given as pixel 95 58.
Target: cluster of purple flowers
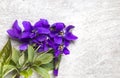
pixel 43 35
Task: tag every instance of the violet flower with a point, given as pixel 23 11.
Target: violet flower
pixel 37 34
pixel 55 72
pixel 16 31
pixel 57 37
pixel 60 38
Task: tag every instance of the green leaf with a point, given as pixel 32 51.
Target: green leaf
pixel 42 72
pixel 44 58
pixel 7 69
pixel 1 70
pixel 26 73
pixel 1 53
pixel 14 76
pixel 48 66
pixel 15 55
pixel 22 59
pixel 30 72
pixel 51 51
pixel 6 52
pixel 2 60
pixel 30 53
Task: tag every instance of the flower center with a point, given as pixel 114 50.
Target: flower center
pixel 52 28
pixel 61 33
pixel 33 31
pixel 61 47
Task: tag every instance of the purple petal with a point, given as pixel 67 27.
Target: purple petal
pixel 27 26
pixel 25 35
pixel 57 53
pixel 32 35
pixel 35 41
pixel 52 34
pixel 44 23
pixel 11 33
pixel 69 28
pixel 15 32
pixel 56 47
pixel 50 42
pixel 43 30
pixel 55 72
pixel 38 24
pixel 16 27
pixel 58 40
pixel 59 26
pixel 41 37
pixel 43 48
pixel 70 36
pixel 66 42
pixel 66 51
pixel 23 46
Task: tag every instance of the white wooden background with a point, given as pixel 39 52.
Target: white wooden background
pixel 96 54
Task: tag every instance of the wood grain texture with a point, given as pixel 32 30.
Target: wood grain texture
pixel 96 54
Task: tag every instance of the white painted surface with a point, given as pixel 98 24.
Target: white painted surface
pixel 96 54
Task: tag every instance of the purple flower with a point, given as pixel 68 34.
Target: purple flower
pixel 15 31
pixel 55 71
pixel 57 37
pixel 36 34
pixel 60 38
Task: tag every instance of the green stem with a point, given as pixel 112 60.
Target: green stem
pixel 37 48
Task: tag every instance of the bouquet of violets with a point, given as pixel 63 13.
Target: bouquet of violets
pixel 41 48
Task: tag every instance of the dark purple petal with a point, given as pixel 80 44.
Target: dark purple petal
pixel 27 26
pixel 70 36
pixel 66 51
pixel 50 43
pixel 42 38
pixel 44 23
pixel 58 26
pixel 15 32
pixel 58 40
pixel 55 72
pixel 38 24
pixel 25 35
pixel 42 30
pixel 43 48
pixel 12 33
pixel 52 34
pixel 66 42
pixel 23 46
pixel 35 41
pixel 69 28
pixel 57 53
pixel 16 27
pixel 56 46
pixel 32 35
